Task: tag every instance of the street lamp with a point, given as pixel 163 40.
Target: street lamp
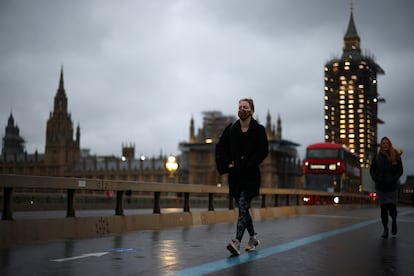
pixel 141 162
pixel 171 165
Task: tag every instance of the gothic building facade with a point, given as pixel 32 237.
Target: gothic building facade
pixel 63 155
pixel 61 149
pixel 281 169
pixel 13 143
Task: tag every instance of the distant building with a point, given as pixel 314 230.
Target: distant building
pixel 196 165
pixel 61 149
pixel 64 157
pixel 351 98
pixel 13 143
pixel 281 169
pixel 14 158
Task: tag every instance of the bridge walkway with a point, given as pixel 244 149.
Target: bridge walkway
pixel 342 242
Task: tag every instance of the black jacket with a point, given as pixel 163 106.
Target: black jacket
pixel 385 174
pixel 247 151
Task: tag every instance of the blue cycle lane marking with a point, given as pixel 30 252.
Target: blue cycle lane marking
pixel 263 253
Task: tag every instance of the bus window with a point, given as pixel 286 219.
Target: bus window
pixel 322 153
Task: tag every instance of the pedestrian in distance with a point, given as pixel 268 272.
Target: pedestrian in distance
pixel 386 170
pixel 242 147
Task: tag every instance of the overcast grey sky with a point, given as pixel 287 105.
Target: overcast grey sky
pixel 137 71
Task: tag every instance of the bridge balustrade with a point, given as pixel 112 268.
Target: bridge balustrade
pixel 73 186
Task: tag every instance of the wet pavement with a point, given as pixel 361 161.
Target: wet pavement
pixel 344 242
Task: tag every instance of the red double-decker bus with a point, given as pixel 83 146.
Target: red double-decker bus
pixel 331 167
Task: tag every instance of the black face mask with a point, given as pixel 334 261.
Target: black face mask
pixel 244 114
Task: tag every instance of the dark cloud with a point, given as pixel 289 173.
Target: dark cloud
pixel 137 71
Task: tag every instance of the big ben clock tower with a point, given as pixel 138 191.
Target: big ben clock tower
pixel 351 98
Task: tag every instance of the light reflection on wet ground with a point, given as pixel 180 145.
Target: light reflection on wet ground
pixel 356 251
pixel 96 213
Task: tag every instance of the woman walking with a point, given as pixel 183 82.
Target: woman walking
pixel 386 170
pixel 242 147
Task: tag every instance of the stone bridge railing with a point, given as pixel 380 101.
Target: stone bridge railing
pixel 35 193
pixel 11 185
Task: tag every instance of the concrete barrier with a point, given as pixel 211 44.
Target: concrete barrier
pixel 17 232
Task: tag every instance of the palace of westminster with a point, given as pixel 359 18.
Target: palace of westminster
pixel 196 163
pixel 350 116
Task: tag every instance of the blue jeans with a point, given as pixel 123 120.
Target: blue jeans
pixel 244 220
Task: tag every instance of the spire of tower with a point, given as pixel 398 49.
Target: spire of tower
pixel 78 134
pixel 61 86
pixel 351 38
pixel 61 100
pixel 279 128
pixel 351 31
pixel 268 121
pixel 192 131
pixel 269 131
pixel 10 121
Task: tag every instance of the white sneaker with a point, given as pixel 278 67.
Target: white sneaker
pixel 234 247
pixel 253 242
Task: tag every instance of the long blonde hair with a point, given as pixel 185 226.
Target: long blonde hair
pixel 393 154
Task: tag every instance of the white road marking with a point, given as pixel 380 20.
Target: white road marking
pixel 96 254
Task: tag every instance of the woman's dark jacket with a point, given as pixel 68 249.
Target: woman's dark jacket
pixel 247 151
pixel 385 174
